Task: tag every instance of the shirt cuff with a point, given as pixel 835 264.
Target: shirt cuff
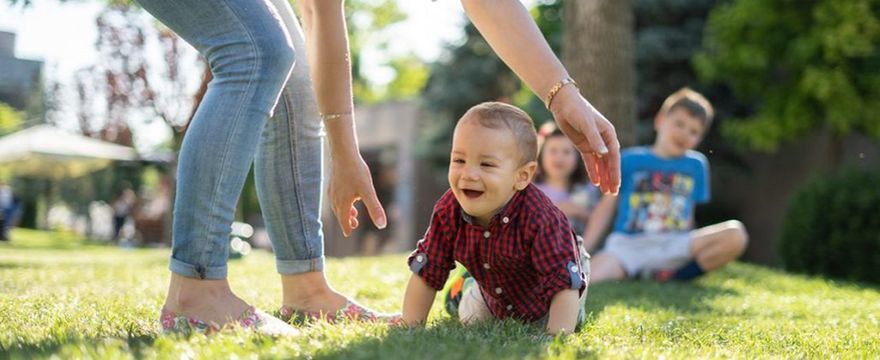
pixel 570 277
pixel 420 264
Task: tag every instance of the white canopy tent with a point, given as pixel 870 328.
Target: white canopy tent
pixel 49 152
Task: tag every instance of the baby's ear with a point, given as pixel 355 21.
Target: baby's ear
pixel 524 175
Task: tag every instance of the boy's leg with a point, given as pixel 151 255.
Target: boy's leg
pixel 711 247
pixel 605 267
pixel 714 246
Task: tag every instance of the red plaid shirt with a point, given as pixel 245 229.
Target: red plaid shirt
pixel 523 258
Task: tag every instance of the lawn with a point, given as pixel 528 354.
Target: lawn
pixel 60 296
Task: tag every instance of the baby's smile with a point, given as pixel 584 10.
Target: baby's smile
pixel 472 194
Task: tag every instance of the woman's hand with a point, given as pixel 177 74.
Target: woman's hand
pixel 350 182
pixel 592 134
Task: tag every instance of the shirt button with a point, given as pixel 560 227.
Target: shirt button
pixel 498 290
pixel 487 234
pixel 574 268
pixel 509 307
pixel 420 258
pixel 486 266
pixel 505 220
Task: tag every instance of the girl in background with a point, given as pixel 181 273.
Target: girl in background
pixel 562 177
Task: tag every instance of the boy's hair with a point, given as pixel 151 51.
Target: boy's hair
pixel 496 115
pixel 692 102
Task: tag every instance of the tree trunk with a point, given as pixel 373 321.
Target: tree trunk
pixel 598 51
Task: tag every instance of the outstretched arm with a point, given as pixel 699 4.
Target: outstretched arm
pixel 327 47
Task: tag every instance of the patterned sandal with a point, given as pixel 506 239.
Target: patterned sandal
pixel 250 319
pixel 351 311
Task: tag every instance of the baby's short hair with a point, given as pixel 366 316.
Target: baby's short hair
pixel 497 115
pixel 691 101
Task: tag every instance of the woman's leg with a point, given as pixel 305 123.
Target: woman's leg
pixel 251 56
pixel 289 175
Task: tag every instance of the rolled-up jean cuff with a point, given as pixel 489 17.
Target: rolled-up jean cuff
pixel 197 271
pixel 293 267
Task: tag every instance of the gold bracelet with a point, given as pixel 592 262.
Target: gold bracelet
pixel 327 117
pixel 555 89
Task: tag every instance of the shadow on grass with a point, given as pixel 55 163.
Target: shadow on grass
pixel 18 265
pixel 48 348
pixel 447 339
pixel 686 298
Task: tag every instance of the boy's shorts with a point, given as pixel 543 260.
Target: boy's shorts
pixel 639 252
pixel 473 308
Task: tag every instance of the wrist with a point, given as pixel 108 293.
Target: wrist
pixel 341 135
pixel 563 97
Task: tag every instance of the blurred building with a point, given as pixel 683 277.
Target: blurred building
pixel 19 78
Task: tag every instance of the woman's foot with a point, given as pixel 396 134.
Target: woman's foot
pixel 209 305
pixel 352 311
pixel 211 301
pixel 308 296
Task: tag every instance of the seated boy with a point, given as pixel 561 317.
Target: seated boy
pixel 653 234
pixel 516 244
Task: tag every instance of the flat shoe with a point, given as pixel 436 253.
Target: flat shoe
pixel 251 319
pixel 351 311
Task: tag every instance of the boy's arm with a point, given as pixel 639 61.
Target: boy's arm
pixel 417 301
pixel 563 312
pixel 599 221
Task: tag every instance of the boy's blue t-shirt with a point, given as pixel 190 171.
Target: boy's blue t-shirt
pixel 657 194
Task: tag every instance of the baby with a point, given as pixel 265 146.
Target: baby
pixel 517 246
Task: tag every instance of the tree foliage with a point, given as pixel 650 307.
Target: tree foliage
pixel 807 65
pixel 10 119
pixel 470 73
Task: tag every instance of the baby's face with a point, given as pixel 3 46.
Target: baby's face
pixel 485 169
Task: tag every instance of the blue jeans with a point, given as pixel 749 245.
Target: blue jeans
pixel 259 110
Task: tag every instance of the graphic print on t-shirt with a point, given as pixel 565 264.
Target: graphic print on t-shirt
pixel 659 202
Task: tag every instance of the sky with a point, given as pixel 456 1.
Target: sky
pixel 63 36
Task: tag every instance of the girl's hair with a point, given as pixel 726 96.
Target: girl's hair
pixel 578 176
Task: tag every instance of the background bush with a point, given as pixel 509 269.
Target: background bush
pixel 832 227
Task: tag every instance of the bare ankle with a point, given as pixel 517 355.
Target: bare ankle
pixel 185 292
pixel 309 290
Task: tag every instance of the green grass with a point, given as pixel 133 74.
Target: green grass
pixel 99 302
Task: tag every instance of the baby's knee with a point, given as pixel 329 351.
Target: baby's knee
pixel 472 308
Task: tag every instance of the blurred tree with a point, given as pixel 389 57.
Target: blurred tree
pixel 471 73
pixel 130 85
pixel 807 65
pixel 598 51
pixel 10 119
pixel 366 19
pixel 668 34
pixel 468 74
